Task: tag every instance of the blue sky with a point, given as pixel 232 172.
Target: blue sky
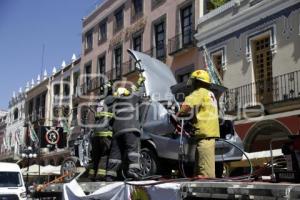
pixel 28 25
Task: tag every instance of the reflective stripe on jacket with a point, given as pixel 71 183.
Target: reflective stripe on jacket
pixel 104 114
pixel 103 134
pixel 104 117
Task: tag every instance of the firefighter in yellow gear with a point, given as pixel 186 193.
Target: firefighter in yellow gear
pixel 202 107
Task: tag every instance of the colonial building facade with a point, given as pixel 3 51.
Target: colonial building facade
pixel 49 102
pixel 255 46
pixel 46 101
pixel 161 28
pixel 3 116
pixel 15 131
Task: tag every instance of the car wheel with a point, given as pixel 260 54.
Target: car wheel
pixel 69 168
pixel 148 162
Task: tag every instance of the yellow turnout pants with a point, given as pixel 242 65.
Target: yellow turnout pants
pixel 205 158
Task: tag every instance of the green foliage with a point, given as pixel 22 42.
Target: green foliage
pixel 218 3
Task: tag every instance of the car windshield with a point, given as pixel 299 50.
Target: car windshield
pixel 10 179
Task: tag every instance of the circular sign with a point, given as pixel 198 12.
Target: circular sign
pixel 52 136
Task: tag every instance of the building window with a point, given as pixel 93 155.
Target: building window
pixel 262 63
pixel 88 72
pixel 57 90
pixel 102 31
pixel 186 15
pixel 76 76
pixel 37 106
pixel 184 73
pixel 156 3
pixel 137 41
pixel 218 61
pixel 118 61
pixel 66 111
pixel 119 20
pixel 30 110
pixel 66 86
pixel 16 113
pixel 101 68
pixel 137 9
pixel 89 40
pixel 56 111
pixel 74 115
pixel 43 105
pixel 183 77
pixel 159 29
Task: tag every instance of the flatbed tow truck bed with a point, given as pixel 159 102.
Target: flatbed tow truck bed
pixel 206 190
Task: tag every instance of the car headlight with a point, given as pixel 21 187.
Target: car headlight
pixel 23 195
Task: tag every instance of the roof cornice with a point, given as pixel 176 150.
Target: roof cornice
pixel 241 20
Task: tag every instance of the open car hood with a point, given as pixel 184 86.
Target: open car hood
pixel 158 76
pixel 160 83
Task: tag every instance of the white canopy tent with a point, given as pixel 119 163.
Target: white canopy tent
pixel 44 170
pixel 51 170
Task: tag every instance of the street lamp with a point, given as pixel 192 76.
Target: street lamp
pixel 28 153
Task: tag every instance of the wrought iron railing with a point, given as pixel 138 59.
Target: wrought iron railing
pixel 181 41
pixel 86 87
pixel 128 67
pixel 112 74
pixel 157 52
pixel 278 89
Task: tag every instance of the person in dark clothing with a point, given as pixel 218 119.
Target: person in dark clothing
pixel 126 135
pixel 101 139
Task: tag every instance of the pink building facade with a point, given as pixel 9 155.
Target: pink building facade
pixel 161 28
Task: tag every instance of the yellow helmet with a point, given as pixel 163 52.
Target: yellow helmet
pixel 121 91
pixel 201 75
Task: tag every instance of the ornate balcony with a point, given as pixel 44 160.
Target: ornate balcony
pixel 181 41
pixel 277 94
pixel 158 52
pixel 126 68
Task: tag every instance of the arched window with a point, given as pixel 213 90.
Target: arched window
pixel 261 134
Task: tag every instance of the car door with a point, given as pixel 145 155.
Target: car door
pixel 158 127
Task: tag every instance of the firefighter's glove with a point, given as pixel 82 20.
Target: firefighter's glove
pixel 141 80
